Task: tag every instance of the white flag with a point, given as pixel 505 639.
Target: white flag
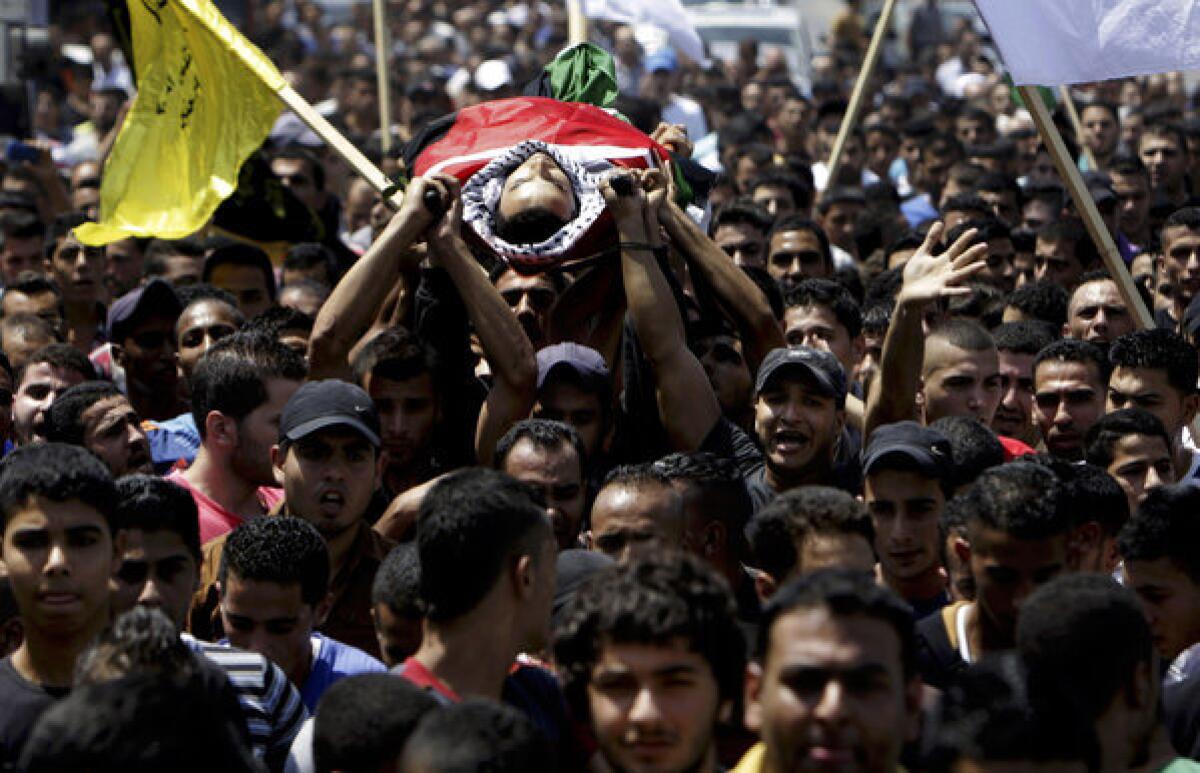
pixel 1055 42
pixel 665 14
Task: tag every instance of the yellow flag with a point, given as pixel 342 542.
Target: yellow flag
pixel 206 100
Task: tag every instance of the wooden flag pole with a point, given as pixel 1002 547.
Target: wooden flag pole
pixel 860 88
pixel 382 47
pixel 1084 205
pixel 577 23
pixel 1068 101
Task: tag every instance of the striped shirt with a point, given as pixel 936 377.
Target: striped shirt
pixel 273 709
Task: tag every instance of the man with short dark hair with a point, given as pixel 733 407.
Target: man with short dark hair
pixel 838 213
pixel 78 271
pixel 1101 133
pixel 1064 253
pixel 1135 449
pixel 364 722
pixel 245 272
pixel 22 239
pixel 59 551
pixel 1096 311
pixel 179 261
pixel 1070 381
pixel 239 390
pixel 274 588
pixel 662 627
pixel 1179 265
pixel 821 314
pixel 34 294
pixel 549 456
pixel 1017 528
pixel 396 604
pixel 1157 370
pixel 840 631
pixel 740 229
pixel 636 512
pixel 1163 149
pixel 96 416
pixel 906 468
pixel 805 530
pixel 1131 183
pixel 798 249
pixel 141 329
pixel 1017 344
pixel 781 192
pixel 49 371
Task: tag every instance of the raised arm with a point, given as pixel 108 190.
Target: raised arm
pixel 927 278
pixel 505 345
pixel 356 299
pixel 686 402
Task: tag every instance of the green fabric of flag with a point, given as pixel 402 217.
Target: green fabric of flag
pixel 584 73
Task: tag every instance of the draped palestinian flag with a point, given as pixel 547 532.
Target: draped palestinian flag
pixel 1056 42
pixel 206 100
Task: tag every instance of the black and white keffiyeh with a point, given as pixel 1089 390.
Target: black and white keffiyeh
pixel 481 200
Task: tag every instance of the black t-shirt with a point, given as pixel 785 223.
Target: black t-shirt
pixel 1181 710
pixel 938 661
pixel 21 703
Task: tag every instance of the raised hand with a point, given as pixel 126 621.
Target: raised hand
pixel 928 277
pixel 673 137
pixel 628 203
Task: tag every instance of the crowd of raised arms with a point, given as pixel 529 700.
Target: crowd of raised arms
pixel 715 462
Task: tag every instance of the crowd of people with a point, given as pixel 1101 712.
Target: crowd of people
pixel 657 448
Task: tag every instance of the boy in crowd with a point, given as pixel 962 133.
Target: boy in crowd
pixel 96 416
pixel 1070 381
pixel 1134 448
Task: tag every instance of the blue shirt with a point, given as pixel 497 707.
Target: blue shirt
pixel 918 209
pixel 332 661
pixel 172 440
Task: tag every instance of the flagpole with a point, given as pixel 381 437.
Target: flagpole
pixel 860 88
pixel 1077 124
pixel 1084 205
pixel 577 24
pixel 382 47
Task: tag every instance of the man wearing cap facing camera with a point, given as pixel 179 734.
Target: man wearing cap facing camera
pixel 327 462
pixel 905 466
pixel 141 328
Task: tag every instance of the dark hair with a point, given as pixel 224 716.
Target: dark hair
pixel 1021 499
pixel 1102 436
pixel 140 640
pixel 543 433
pixel 57 355
pixel 1129 164
pixel 1043 301
pixel 1095 497
pixel 1158 349
pixel 965 334
pixel 1165 526
pixel 63 224
pixel 241 254
pixel 394 354
pixel 309 254
pixel 276 319
pixel 742 211
pixel 998 182
pixel 1080 637
pixel 965 202
pixel 714 483
pixel 471 524
pixel 793 516
pixel 877 316
pixel 64 417
pixel 149 503
pixel 284 549
pixel 840 194
pixel 232 375
pixel 831 295
pixel 398 581
pixel 20 225
pixel 363 721
pixel 1187 217
pixel 1024 337
pixel 134 724
pixel 782 177
pixel 1071 229
pixel 798 222
pixel 59 473
pixel 294 152
pixel 530 226
pixel 1104 105
pixel 1074 350
pixel 987 228
pixel 192 294
pixel 654 600
pixel 29 283
pixel 843 593
pixel 974 448
pixel 476 735
pixel 154 257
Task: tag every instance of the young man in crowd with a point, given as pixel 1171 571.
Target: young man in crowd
pixel 1179 265
pixel 1157 371
pixel 1064 253
pixel 1017 539
pixel 1163 149
pixel 1131 183
pixel 160 569
pixel 906 469
pixel 1070 382
pixel 37 295
pixel 96 416
pixel 821 314
pixel 78 271
pixel 327 463
pixel 798 249
pixel 636 512
pixel 807 529
pixel 245 272
pixel 396 604
pixel 652 659
pixel 1134 448
pixel 1017 345
pixel 1096 312
pixel 57 505
pixel 824 638
pixel 49 371
pixel 549 456
pixel 141 329
pixel 740 229
pixel 274 589
pixel 239 390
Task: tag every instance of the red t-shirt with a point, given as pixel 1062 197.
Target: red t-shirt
pixel 215 520
pixel 1014 449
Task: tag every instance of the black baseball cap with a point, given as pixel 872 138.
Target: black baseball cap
pixel 585 362
pixel 926 449
pixel 319 405
pixel 155 297
pixel 822 366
